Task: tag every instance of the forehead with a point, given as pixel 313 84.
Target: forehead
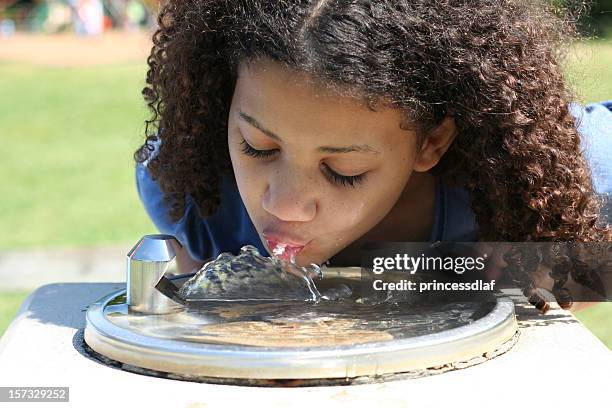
pixel 294 104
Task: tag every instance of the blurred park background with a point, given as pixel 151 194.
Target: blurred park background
pixel 71 115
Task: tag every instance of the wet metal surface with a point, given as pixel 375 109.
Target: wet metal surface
pixel 297 339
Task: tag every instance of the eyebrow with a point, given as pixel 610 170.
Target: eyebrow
pixel 327 149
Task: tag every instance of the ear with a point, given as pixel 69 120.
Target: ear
pixel 436 144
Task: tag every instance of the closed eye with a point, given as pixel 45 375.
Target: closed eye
pixel 343 180
pixel 251 151
pixel 334 177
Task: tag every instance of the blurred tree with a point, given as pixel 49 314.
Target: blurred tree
pixel 601 14
pixel 594 16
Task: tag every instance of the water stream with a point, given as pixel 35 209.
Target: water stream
pixel 251 276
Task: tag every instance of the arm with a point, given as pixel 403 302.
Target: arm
pixel 186 231
pixel 185 263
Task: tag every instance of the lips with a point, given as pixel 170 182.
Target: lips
pixel 283 238
pixel 287 253
pixel 287 245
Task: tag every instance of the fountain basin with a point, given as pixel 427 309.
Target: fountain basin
pixel 299 340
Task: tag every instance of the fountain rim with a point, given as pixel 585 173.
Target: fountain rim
pixel 262 362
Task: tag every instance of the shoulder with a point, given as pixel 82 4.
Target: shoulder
pixel 152 198
pixel 455 220
pixel 594 123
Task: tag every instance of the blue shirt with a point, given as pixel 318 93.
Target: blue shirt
pixel 230 227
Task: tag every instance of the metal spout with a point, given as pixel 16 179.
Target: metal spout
pixel 147 262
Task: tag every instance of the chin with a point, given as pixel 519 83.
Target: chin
pixel 305 259
pixel 308 259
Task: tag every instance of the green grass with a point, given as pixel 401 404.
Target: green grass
pixel 9 304
pixel 597 319
pixel 588 70
pixel 67 142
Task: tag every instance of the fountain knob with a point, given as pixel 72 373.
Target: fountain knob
pixel 150 259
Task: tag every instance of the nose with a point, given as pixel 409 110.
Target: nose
pixel 291 196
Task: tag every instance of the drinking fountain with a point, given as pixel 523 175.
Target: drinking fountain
pixel 261 341
pixel 159 352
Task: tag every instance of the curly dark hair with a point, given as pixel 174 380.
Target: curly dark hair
pixel 494 65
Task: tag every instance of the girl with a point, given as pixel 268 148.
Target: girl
pixel 319 125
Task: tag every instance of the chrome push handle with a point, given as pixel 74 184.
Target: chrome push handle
pixel 147 262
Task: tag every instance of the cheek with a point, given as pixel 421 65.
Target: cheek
pixel 352 213
pixel 357 211
pixel 367 207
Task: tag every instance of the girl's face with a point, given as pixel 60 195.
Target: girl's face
pixel 316 171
